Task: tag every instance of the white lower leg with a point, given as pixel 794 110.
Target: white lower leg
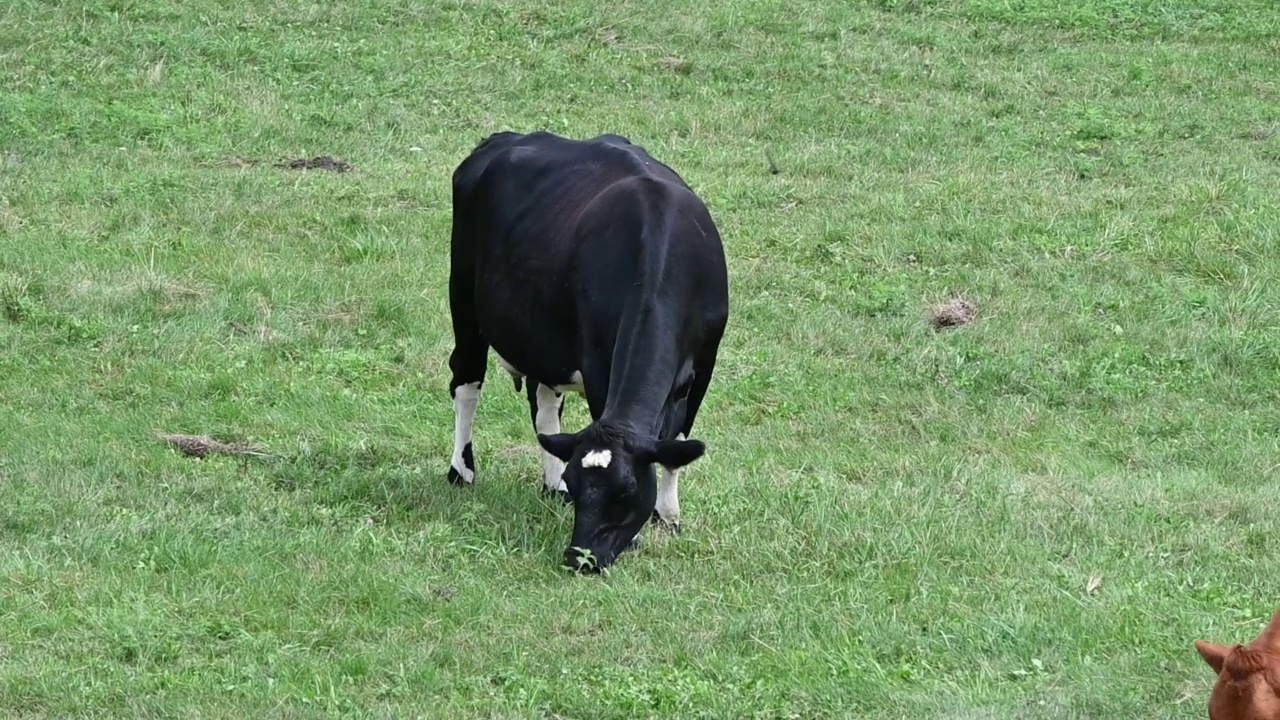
pixel 465 400
pixel 668 505
pixel 547 422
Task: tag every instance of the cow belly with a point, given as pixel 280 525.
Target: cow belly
pixel 574 383
pixel 511 370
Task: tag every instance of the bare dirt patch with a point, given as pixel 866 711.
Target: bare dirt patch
pixel 322 162
pixel 953 313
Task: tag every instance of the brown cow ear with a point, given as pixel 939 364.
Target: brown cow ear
pixel 1213 653
pixel 1270 637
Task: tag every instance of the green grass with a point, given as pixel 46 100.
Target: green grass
pixel 890 522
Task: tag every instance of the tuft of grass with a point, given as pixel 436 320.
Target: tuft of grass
pixel 1032 517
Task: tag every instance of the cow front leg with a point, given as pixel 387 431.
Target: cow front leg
pixel 667 509
pixel 548 408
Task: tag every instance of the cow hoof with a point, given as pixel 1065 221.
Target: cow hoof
pixel 456 478
pixel 634 545
pixel 672 527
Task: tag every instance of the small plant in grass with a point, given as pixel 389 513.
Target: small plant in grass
pixel 15 299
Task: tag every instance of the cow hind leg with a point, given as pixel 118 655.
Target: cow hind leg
pixel 468 365
pixel 546 406
pixel 466 398
pixel 462 464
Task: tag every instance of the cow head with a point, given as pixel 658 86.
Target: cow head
pixel 610 478
pixel 1248 686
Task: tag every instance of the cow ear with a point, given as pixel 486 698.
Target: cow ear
pixel 1213 653
pixel 561 445
pixel 675 454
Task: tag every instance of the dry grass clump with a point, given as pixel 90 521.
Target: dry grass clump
pixel 202 446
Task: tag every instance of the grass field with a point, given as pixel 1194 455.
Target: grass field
pixel 1029 517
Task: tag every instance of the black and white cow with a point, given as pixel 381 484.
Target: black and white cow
pixel 590 267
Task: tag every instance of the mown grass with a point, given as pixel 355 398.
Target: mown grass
pixel 1033 516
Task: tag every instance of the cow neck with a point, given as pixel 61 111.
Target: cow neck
pixel 639 382
pixel 644 364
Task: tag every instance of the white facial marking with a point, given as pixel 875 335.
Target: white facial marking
pixel 465 399
pixel 575 384
pixel 668 505
pixel 597 458
pixel 547 422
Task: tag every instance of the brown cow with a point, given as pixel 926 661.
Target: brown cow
pixel 1248 686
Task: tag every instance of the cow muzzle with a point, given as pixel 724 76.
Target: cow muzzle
pixel 586 560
